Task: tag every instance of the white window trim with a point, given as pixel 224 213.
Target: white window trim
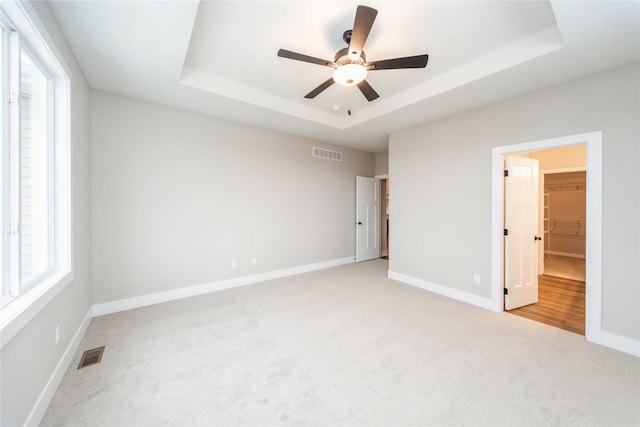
pixel 15 315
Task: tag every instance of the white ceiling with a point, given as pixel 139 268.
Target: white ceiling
pixel 219 57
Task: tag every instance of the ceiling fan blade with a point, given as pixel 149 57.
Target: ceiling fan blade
pixel 319 89
pixel 418 61
pixel 305 58
pixel 361 28
pixel 367 91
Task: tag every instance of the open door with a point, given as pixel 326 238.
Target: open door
pixel 521 239
pixel 367 218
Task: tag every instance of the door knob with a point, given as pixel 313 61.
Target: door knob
pixel 359 223
pixel 537 238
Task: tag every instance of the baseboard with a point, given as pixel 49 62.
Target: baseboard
pixel 620 343
pixel 443 290
pixel 567 254
pixel 40 408
pixel 175 294
pixel 384 253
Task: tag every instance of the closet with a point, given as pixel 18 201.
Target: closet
pixel 565 214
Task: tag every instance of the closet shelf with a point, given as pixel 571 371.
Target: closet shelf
pixel 578 184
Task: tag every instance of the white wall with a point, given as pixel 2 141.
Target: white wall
pixel 30 358
pixel 442 186
pixel 178 195
pixel 382 163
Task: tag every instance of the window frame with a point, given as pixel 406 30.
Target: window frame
pixel 16 312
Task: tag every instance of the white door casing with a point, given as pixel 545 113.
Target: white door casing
pixel 368 205
pixel 593 308
pixel 521 221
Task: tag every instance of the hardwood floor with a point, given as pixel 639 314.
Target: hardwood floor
pixel 561 303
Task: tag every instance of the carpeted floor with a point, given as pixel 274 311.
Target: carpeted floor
pixel 566 267
pixel 344 346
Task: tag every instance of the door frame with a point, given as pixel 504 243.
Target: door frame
pixel 384 232
pixel 593 141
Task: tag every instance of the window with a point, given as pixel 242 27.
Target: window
pixel 35 236
pixel 34 179
pixel 29 174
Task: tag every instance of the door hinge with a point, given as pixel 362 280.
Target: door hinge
pixel 506 172
pixel 506 291
pixel 506 232
pixel 12 229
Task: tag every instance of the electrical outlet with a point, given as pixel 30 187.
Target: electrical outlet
pixel 57 334
pixel 476 279
pixel 234 264
pixel 254 261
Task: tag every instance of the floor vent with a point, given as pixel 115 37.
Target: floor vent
pixel 327 154
pixel 91 357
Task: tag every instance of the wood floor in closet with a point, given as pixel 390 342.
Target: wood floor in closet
pixel 561 303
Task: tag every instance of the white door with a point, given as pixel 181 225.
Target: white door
pixel 521 241
pixel 367 218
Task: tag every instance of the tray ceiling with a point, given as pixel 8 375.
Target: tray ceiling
pixel 219 57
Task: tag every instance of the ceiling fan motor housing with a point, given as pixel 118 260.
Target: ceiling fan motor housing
pixel 346 36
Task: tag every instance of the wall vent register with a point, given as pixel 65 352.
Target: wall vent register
pixel 327 154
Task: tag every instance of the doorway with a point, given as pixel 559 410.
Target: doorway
pixel 559 226
pixel 562 225
pixel 545 244
pixel 384 220
pixel 368 207
pixel 593 240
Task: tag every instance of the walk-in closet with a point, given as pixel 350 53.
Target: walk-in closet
pixel 565 224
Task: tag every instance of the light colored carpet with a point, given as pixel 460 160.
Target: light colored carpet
pixel 343 346
pixel 564 266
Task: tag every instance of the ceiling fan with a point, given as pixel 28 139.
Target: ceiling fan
pixel 350 64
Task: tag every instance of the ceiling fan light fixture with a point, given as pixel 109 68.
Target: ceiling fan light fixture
pixel 349 74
